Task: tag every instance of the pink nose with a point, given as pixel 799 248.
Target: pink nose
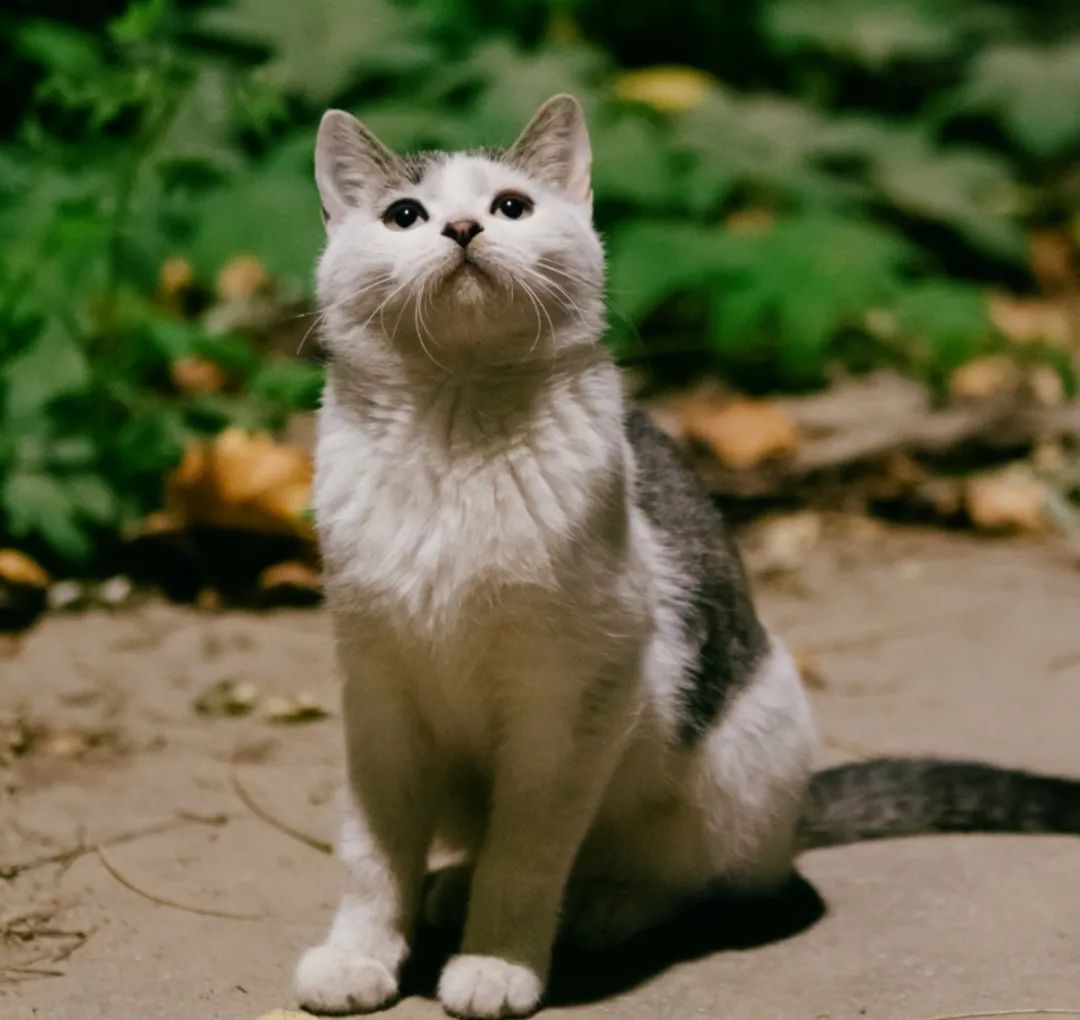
pixel 462 231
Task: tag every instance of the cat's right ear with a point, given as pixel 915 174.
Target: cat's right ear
pixel 351 165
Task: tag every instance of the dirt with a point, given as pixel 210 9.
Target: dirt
pixel 140 883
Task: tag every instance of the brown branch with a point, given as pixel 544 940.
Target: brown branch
pixel 10 871
pixel 165 901
pixel 263 815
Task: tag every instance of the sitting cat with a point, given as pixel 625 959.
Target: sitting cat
pixel 552 663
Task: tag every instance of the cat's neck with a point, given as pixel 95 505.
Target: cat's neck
pixel 395 402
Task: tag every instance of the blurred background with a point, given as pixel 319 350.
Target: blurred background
pixel 842 237
pixel 843 273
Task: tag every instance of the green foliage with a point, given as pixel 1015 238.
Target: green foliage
pixel 848 180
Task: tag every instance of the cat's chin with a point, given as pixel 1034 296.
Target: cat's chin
pixel 468 284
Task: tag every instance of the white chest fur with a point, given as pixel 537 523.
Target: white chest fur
pixel 439 502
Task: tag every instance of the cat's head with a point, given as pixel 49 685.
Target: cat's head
pixel 459 259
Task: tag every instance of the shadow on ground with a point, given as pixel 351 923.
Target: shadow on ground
pixel 707 927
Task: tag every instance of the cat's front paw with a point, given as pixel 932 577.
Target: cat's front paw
pixel 333 980
pixel 487 986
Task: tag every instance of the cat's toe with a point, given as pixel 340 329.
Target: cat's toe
pixel 488 987
pixel 336 981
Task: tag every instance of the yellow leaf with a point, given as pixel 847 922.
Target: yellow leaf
pixel 669 88
pixel 17 568
pixel 244 481
pixel 742 433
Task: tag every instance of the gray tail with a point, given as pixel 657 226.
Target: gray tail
pixel 911 796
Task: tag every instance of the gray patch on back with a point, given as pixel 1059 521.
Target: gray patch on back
pixel 717 610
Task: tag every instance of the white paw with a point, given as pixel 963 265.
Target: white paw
pixel 486 986
pixel 333 980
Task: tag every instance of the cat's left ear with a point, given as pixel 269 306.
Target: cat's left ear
pixel 555 147
pixel 351 165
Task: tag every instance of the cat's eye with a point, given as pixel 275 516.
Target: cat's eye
pixel 511 205
pixel 404 213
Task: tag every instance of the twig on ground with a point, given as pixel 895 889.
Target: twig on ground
pixel 263 815
pixel 10 871
pixel 165 901
pixel 1007 1012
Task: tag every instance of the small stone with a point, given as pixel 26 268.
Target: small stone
pixel 66 595
pixel 115 591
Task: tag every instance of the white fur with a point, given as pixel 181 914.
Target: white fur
pixel 510 656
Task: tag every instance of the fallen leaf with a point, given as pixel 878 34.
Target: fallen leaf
pixel 197 375
pixel 18 568
pixel 1051 254
pixel 810 672
pixel 742 433
pixel 23 589
pixel 668 88
pixel 1046 386
pixel 290 583
pixel 241 278
pixel 174 277
pixel 294 708
pixel 243 481
pixel 984 377
pixel 1006 501
pixel 1030 320
pixel 66 744
pixel 227 698
pixel 781 544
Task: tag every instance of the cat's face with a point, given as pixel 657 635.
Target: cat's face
pixel 460 259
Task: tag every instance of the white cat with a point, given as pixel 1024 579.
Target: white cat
pixel 552 663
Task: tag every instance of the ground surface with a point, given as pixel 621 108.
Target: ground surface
pixel 922 642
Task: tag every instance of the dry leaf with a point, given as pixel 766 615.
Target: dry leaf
pixel 175 276
pixel 668 88
pixel 241 278
pixel 781 544
pixel 1047 386
pixel 1006 501
pixel 197 375
pixel 295 708
pixel 742 433
pixel 17 568
pixel 749 221
pixel 984 377
pixel 291 583
pixel 1052 260
pixel 23 589
pixel 810 671
pixel 243 481
pixel 66 744
pixel 227 698
pixel 1030 320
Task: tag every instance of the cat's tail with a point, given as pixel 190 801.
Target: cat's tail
pixel 909 796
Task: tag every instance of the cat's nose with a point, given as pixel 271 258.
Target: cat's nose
pixel 462 231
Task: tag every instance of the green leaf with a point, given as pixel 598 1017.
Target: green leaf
pixel 293 384
pixel 632 163
pixel 92 498
pixel 53 365
pixel 966 189
pixel 270 209
pixel 38 505
pixel 1035 91
pixel 873 33
pixel 317 48
pixel 793 288
pixel 949 322
pixel 651 260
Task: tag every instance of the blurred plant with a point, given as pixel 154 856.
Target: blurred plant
pixel 801 183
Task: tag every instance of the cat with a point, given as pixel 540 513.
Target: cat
pixel 552 662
